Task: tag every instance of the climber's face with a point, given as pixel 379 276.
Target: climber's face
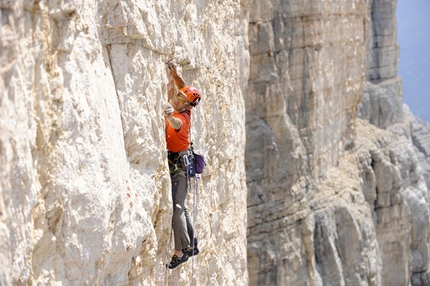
pixel 180 102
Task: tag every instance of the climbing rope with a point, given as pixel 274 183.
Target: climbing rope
pixel 193 224
pixel 195 202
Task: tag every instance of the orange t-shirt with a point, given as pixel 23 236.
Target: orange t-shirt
pixel 179 140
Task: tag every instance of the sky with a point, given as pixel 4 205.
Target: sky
pixel 413 36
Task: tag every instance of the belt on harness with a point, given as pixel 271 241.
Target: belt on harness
pixel 178 162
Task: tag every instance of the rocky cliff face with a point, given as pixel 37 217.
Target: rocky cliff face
pixel 337 193
pixel 314 175
pixel 85 191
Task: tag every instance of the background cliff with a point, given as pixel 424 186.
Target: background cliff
pixel 315 175
pixel 337 189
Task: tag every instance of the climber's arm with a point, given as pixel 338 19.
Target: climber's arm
pixel 174 122
pixel 178 80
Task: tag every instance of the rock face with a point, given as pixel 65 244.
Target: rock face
pixel 337 192
pixel 421 140
pixel 383 96
pixel 85 190
pixel 314 175
pixel 305 84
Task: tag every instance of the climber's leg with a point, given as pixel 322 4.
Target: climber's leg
pixel 179 220
pixel 190 228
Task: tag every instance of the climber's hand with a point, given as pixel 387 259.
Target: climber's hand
pixel 172 65
pixel 169 110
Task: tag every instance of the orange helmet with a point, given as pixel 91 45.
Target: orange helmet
pixel 193 94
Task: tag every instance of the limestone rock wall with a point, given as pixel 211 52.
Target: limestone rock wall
pixel 420 132
pixel 421 139
pixel 383 94
pixel 337 193
pixel 85 191
pixel 306 80
pixel 313 175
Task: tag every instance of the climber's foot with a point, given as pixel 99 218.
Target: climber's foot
pixel 177 260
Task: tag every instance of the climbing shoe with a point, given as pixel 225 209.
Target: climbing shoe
pixel 192 251
pixel 177 260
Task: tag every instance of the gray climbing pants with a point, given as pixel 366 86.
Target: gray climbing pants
pixel 182 224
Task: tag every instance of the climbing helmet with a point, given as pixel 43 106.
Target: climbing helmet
pixel 192 94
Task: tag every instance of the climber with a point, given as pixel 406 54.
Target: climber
pixel 178 124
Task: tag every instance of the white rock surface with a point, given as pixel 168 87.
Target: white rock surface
pixel 421 139
pixel 332 190
pixel 85 191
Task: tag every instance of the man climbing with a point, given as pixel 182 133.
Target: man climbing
pixel 178 124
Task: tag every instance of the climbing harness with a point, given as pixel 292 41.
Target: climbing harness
pixel 180 161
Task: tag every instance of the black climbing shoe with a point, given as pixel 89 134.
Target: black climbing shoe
pixel 177 260
pixel 192 251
